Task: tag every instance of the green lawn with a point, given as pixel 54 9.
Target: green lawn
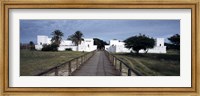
pixel 154 64
pixel 34 62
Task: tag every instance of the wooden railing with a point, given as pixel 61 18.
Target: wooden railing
pixel 121 66
pixel 67 68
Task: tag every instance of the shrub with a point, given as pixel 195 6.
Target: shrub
pixel 68 49
pixel 51 47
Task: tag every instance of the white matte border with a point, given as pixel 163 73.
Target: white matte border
pixel 184 80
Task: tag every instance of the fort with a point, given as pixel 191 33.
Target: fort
pixel 115 46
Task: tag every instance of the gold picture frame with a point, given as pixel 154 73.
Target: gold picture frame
pixel 127 4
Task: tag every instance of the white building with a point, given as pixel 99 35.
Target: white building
pixel 116 46
pixel 87 45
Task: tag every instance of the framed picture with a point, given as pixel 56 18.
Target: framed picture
pixel 100 47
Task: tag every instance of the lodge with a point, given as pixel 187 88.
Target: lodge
pixel 115 46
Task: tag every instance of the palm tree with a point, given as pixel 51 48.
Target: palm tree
pixel 57 37
pixel 76 38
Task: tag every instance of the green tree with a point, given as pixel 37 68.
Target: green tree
pixel 32 45
pixel 100 43
pixel 139 42
pixel 76 38
pixel 56 39
pixel 175 41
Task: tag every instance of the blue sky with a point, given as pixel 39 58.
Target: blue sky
pixel 102 29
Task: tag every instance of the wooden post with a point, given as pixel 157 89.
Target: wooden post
pixel 120 67
pixel 109 57
pixel 81 59
pixel 69 68
pixel 86 57
pixel 129 72
pixel 56 71
pixel 113 61
pixel 77 63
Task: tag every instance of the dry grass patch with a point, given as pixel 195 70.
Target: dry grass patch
pixel 34 62
pixel 153 64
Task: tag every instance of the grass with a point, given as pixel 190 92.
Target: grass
pixel 34 62
pixel 154 64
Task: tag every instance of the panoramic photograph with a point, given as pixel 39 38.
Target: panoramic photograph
pixel 99 47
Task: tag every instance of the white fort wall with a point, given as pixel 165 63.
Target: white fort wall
pixel 87 45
